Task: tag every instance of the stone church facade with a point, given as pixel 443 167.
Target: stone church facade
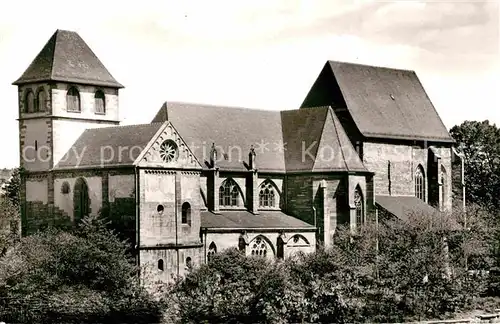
pixel 199 179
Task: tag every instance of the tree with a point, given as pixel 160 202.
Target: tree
pixel 479 142
pixel 13 187
pixel 83 276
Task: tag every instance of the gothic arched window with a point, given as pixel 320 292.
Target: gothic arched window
pixel 99 102
pixel 29 102
pixel 212 250
pixel 420 183
pixel 73 100
pixel 228 193
pixel 160 265
pixel 358 203
pixel 259 247
pixel 81 199
pixel 186 213
pixel 41 100
pixel 267 195
pixel 444 187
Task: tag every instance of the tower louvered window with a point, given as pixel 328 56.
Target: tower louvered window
pixel 73 100
pixel 99 102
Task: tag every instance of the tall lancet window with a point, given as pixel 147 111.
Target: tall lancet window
pixel 444 187
pixel 420 183
pixel 358 203
pixel 267 195
pixel 228 193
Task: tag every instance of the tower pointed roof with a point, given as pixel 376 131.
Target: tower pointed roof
pixel 67 58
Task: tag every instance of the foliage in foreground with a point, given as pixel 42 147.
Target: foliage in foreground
pixel 414 276
pixel 79 277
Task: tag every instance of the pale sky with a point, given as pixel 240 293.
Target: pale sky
pixel 262 53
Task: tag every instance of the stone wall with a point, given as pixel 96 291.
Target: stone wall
pixel 163 265
pixel 35 144
pixel 305 241
pixel 59 108
pixel 395 164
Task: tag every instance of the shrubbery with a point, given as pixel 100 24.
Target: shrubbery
pixel 412 275
pixel 79 277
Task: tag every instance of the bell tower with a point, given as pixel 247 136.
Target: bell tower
pixel 65 90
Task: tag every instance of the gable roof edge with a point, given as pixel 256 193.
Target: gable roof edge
pixel 432 104
pixel 153 140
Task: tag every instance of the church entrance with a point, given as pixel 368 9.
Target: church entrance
pixel 81 200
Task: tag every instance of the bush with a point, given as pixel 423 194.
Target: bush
pixel 79 277
pixel 395 272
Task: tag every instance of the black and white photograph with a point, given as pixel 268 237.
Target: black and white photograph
pixel 265 161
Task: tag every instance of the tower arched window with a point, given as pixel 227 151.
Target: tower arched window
pixel 259 247
pixel 420 183
pixel 41 100
pixel 161 266
pixel 29 102
pixel 359 204
pixel 212 250
pixel 81 199
pixel 99 102
pixel 267 195
pixel 73 100
pixel 228 193
pixel 186 213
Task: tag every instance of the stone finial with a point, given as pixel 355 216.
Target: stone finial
pixel 213 156
pixel 252 158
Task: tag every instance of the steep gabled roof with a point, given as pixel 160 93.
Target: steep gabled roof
pixel 383 102
pixel 67 58
pixel 109 146
pixel 232 130
pixel 281 139
pixel 316 141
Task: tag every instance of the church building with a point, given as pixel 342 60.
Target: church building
pixel 199 179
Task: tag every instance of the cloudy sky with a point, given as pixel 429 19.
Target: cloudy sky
pixel 260 53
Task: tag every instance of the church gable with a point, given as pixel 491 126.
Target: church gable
pixel 335 151
pixel 167 149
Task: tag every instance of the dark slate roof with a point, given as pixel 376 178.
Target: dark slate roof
pixel 404 206
pixel 129 140
pixel 318 132
pixel 278 137
pixel 246 220
pixel 233 130
pixel 383 102
pixel 67 58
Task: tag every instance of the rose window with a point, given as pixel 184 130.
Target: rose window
pixel 168 151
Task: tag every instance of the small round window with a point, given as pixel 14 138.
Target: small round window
pixel 168 151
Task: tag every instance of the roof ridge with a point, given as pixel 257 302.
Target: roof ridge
pixel 321 134
pixel 125 126
pixel 371 65
pixel 206 105
pixel 56 34
pixel 338 138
